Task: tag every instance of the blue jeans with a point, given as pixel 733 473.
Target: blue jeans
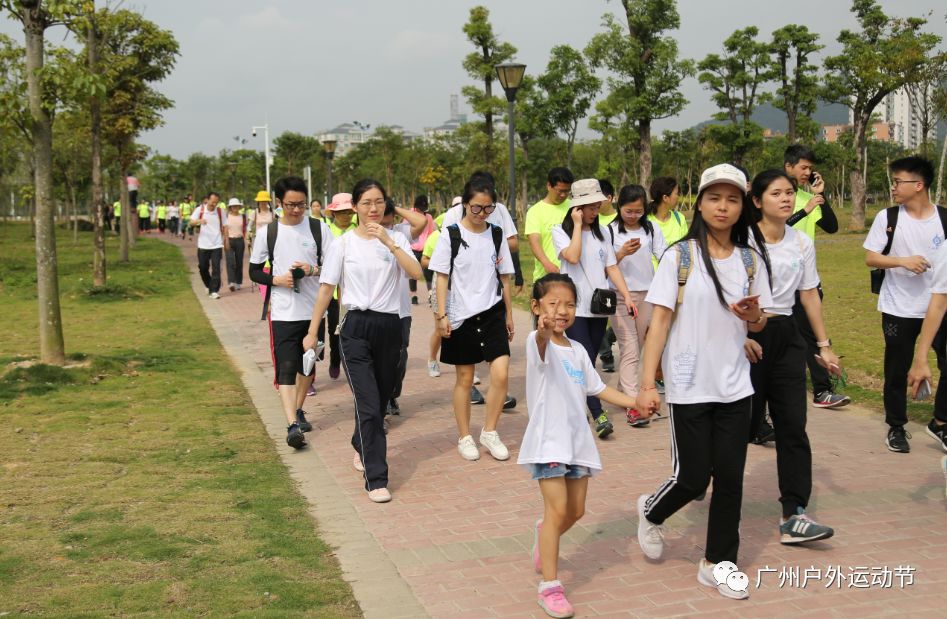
pixel 589 332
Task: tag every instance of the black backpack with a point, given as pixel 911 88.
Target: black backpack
pixel 453 231
pixel 315 226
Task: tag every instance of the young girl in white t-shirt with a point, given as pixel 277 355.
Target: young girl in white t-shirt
pixel 779 352
pixel 638 245
pixel 706 371
pixel 558 446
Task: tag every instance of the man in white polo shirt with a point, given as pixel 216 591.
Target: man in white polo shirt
pixel 211 242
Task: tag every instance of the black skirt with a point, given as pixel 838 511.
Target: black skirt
pixel 480 338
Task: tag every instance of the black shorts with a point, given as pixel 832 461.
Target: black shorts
pixel 288 349
pixel 480 338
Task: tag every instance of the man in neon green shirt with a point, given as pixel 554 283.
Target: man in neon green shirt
pixel 811 209
pixel 162 217
pixel 186 209
pixel 144 217
pixel 117 213
pixel 542 216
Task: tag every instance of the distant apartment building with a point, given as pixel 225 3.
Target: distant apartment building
pixel 453 124
pixel 347 136
pixel 902 117
pixel 877 131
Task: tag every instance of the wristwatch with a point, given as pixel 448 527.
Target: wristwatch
pixel 826 344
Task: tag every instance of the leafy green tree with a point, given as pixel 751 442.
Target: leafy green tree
pixel 570 86
pixel 797 83
pixel 294 151
pixel 884 55
pixel 644 73
pixel 736 81
pixel 480 66
pixel 532 122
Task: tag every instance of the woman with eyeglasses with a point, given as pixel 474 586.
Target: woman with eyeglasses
pixel 474 312
pixel 367 266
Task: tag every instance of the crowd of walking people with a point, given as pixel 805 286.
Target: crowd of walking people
pixel 717 319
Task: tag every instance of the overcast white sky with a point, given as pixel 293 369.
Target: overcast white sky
pixel 308 65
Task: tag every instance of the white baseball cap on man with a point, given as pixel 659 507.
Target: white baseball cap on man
pixel 723 173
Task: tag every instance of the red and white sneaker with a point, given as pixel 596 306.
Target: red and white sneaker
pixel 635 419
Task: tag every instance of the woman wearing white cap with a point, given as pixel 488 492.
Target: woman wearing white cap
pixel 587 257
pixel 236 233
pixel 709 290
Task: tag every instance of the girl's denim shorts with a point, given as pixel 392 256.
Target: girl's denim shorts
pixel 557 469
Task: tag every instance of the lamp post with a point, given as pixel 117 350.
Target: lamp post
pixel 510 75
pixel 266 152
pixel 328 147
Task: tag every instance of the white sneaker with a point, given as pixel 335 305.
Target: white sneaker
pixel 379 495
pixel 491 440
pixel 476 379
pixel 214 295
pixel 943 466
pixel 357 463
pixel 468 449
pixel 433 369
pixel 705 576
pixel 650 536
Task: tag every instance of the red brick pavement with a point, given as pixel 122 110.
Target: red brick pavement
pixel 459 532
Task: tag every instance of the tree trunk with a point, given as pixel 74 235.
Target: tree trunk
pixel 524 184
pixel 99 270
pixel 858 176
pixel 644 152
pixel 940 171
pixel 791 120
pixel 75 214
pixel 52 346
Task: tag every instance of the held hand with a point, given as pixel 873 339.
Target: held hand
pixel 919 372
pixel 443 326
pixel 577 217
pixel 816 200
pixel 306 267
pixel 309 342
pixel 753 350
pixel 834 366
pixel 630 305
pixel 915 264
pixel 283 281
pixel 648 400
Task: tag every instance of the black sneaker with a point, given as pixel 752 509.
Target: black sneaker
pixel 938 433
pixel 475 396
pixel 295 437
pixel 897 439
pixel 603 427
pixel 800 528
pixel 393 408
pixel 608 363
pixel 414 300
pixel 304 425
pixel 509 402
pixel 827 399
pixel 764 433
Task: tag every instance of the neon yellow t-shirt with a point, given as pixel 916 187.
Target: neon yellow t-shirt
pixel 430 243
pixel 143 211
pixel 674 229
pixel 807 225
pixel 439 220
pixel 540 219
pixel 337 231
pixel 117 209
pixel 186 209
pixel 162 212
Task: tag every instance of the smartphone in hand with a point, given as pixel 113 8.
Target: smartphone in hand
pixel 924 391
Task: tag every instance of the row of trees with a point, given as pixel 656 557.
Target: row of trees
pixel 71 113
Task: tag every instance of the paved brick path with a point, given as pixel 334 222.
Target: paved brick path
pixel 455 540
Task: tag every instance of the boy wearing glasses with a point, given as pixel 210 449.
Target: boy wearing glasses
pixel 294 282
pixel 916 231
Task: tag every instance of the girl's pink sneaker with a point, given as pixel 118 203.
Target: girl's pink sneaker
pixel 553 601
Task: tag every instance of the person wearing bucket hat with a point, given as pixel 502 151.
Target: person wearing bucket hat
pixel 709 291
pixel 236 233
pixel 259 217
pixel 342 212
pixel 587 256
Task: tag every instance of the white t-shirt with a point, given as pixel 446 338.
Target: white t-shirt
pixel 405 308
pixel 372 275
pixel 638 268
pixel 704 359
pixel 293 244
pixel 174 211
pixel 938 273
pixel 904 293
pixel 209 237
pixel 590 273
pixel 792 261
pixel 474 284
pixel 556 388
pixel 499 217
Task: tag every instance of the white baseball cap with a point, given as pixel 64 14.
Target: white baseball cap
pixel 586 191
pixel 234 202
pixel 723 173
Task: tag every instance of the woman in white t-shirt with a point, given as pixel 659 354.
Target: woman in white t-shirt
pixel 586 255
pixel 638 245
pixel 779 352
pixel 368 265
pixel 706 371
pixel 558 447
pixel 474 313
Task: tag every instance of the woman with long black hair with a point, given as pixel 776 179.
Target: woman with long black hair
pixel 587 257
pixel 709 290
pixel 779 353
pixel 367 265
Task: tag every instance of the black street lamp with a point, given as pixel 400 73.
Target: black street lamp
pixel 328 147
pixel 510 75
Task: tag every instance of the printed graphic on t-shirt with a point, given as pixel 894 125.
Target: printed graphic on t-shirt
pixel 684 369
pixel 577 375
pixel 937 241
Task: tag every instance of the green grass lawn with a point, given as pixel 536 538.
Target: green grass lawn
pixel 140 480
pixel 849 308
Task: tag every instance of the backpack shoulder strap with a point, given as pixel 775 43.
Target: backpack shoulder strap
pixel 942 212
pixel 684 268
pixel 611 234
pixel 749 262
pixel 893 212
pixel 315 226
pixel 677 217
pixel 453 232
pixel 271 232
